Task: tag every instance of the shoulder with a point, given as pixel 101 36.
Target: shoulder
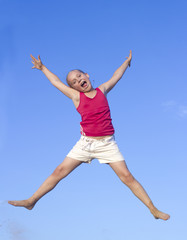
pixel 102 89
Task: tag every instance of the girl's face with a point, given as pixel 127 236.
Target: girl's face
pixel 79 81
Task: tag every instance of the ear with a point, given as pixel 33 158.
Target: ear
pixel 87 75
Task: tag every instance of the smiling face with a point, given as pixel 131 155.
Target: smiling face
pixel 79 81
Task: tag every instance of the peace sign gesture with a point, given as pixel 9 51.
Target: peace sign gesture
pixel 37 62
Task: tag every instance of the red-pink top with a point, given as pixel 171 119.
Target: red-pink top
pixel 95 114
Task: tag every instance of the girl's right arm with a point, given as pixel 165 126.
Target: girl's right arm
pixel 55 81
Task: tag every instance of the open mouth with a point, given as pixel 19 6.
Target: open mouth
pixel 83 84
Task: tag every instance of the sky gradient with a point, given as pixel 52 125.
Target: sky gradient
pixel 39 125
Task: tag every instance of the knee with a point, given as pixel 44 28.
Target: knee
pixel 126 178
pixel 60 172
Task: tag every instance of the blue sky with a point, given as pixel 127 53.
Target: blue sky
pixel 38 125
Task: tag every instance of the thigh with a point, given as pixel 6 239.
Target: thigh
pixel 120 168
pixel 68 165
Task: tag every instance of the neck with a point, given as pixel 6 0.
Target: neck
pixel 92 89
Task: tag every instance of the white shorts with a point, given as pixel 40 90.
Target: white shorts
pixel 105 150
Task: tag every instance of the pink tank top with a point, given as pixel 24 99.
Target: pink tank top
pixel 95 114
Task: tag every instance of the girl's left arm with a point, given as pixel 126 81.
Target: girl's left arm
pixel 107 86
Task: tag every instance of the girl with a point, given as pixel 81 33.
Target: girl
pixel 97 134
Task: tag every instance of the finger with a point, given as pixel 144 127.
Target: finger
pixel 33 58
pixel 39 58
pixel 33 67
pixel 32 62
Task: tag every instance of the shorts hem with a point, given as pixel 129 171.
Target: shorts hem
pixel 106 162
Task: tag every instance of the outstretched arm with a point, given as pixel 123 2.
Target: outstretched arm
pixel 107 86
pixel 55 81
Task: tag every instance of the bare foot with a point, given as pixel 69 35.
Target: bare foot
pixel 159 215
pixel 23 203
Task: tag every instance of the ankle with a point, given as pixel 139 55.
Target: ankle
pixel 32 199
pixel 151 206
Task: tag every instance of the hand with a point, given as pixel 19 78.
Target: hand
pixel 129 58
pixel 37 63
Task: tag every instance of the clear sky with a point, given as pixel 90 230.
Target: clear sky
pixel 39 125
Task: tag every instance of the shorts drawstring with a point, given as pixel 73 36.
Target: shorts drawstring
pixel 87 146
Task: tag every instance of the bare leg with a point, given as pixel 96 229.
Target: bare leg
pixel 120 168
pixel 67 166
